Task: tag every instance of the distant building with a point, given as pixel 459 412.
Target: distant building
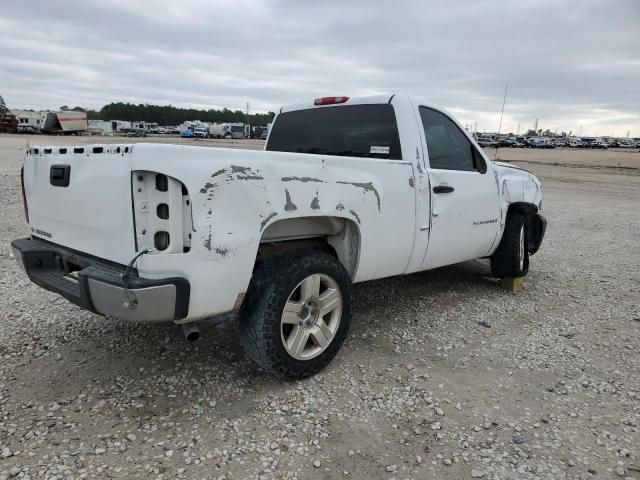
pixel 65 122
pixel 29 121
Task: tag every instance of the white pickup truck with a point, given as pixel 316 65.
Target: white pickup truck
pixel 348 190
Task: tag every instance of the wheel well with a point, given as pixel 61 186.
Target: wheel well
pixel 336 236
pixel 534 226
pixel 523 207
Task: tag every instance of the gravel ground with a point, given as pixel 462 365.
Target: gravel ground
pixel 444 375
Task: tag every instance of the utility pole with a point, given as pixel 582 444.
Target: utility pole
pixel 518 131
pixel 628 133
pixel 475 127
pixel 580 130
pixel 535 129
pixel 248 120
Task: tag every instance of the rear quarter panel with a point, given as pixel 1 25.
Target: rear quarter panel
pixel 237 194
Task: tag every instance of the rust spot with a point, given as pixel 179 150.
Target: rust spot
pixel 315 203
pixel 222 251
pixel 219 172
pixel 289 205
pixel 340 207
pixel 412 182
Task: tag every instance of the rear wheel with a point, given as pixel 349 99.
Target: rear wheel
pixel 297 313
pixel 511 258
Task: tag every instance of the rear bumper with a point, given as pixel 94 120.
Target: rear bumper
pixel 97 285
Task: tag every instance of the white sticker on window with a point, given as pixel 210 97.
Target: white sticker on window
pixel 379 150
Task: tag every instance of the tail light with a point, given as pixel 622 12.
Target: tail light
pixel 161 213
pixel 24 196
pixel 329 100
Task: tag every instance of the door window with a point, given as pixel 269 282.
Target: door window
pixel 448 147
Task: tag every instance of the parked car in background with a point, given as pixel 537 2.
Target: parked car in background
pixel 575 143
pixel 186 133
pixel 137 132
pixel 264 135
pixel 510 142
pixel 537 142
pixel 487 141
pixel 201 132
pixel 596 143
pixel 627 143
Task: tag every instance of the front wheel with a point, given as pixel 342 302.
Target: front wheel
pixel 511 258
pixel 297 313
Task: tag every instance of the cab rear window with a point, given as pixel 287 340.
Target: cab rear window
pixel 369 131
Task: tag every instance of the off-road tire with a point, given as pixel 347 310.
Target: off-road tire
pixel 260 315
pixel 505 262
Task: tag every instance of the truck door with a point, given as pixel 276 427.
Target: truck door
pixel 465 208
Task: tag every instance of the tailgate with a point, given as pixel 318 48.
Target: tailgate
pixel 92 211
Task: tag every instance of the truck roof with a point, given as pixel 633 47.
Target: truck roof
pixel 380 98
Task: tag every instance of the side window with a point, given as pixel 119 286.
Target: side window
pixel 448 147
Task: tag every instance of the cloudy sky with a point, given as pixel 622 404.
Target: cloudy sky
pixel 569 63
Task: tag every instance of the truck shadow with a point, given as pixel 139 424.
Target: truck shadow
pixel 113 364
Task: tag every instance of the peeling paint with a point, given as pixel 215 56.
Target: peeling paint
pixel 315 203
pixel 219 172
pixel 243 170
pixel 289 205
pixel 356 216
pixel 207 241
pixel 302 179
pixel 266 220
pixel 340 207
pixel 244 173
pixel 222 251
pixel 207 186
pixel 412 182
pixel 367 187
pixel 250 177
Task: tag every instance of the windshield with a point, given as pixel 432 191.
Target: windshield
pixel 237 128
pixel 367 131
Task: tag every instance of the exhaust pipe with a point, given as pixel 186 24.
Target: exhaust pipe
pixel 191 331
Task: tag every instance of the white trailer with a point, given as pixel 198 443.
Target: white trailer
pixel 29 121
pixel 226 130
pixel 100 127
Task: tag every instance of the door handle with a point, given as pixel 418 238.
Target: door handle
pixel 443 189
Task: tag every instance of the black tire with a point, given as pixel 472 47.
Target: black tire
pixel 511 258
pixel 260 316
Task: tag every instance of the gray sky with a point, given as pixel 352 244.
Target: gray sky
pixel 568 63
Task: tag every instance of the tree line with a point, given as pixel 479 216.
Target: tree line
pixel 164 114
pixel 170 115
